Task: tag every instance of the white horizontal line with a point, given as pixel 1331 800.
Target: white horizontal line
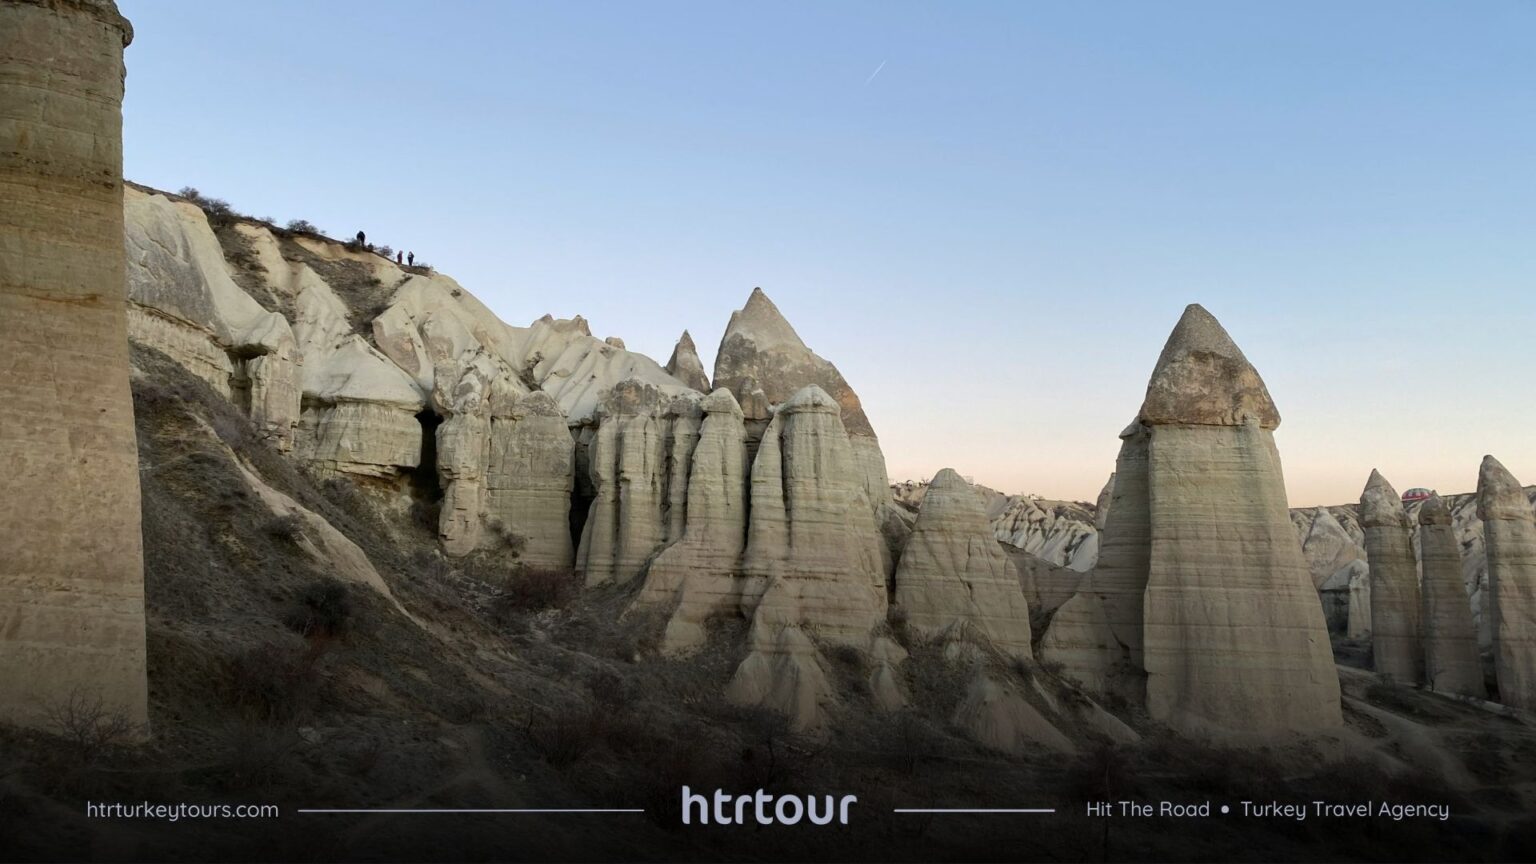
pixel 469 810
pixel 962 810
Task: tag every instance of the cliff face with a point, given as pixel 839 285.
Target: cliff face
pixel 71 570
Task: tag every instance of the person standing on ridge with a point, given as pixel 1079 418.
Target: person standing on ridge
pixel 411 259
pixel 399 257
pixel 362 239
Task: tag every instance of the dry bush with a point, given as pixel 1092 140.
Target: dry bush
pixel 256 753
pixel 89 726
pixel 324 611
pixel 532 589
pixel 289 528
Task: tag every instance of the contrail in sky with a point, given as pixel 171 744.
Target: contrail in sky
pixel 874 73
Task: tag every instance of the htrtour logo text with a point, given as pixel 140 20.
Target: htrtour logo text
pixel 761 808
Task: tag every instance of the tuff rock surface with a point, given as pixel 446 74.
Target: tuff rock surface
pixel 1509 528
pixel 71 561
pixel 954 576
pixel 1451 662
pixel 1395 607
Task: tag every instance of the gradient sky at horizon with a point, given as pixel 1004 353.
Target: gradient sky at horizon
pixel 991 238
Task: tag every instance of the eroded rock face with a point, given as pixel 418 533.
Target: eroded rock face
pixel 685 365
pixel 1234 634
pixel 71 560
pixel 697 576
pixel 638 463
pixel 763 362
pixel 954 576
pixel 1451 663
pixel 529 479
pixel 1395 605
pixel 996 715
pixel 1509 529
pixel 1097 635
pixel 185 303
pixel 814 553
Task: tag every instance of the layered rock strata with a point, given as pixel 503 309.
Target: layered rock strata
pixel 813 560
pixel 1234 634
pixel 954 576
pixel 1509 529
pixel 1451 662
pixel 71 561
pixel 697 578
pixel 1395 645
pixel 1097 635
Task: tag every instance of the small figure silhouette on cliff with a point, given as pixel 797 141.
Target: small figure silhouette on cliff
pixel 411 259
pixel 362 239
pixel 399 257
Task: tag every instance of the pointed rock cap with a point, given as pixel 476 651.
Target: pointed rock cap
pixel 1380 505
pixel 1499 494
pixel 1203 379
pixel 760 345
pixel 764 324
pixel 686 366
pixel 948 480
pixel 812 399
pixel 1434 512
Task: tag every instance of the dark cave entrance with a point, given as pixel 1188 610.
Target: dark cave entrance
pixel 426 489
pixel 582 492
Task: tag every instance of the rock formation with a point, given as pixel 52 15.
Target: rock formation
pixel 1201 583
pixel 1097 635
pixel 1329 547
pixel 529 479
pixel 954 576
pixel 686 366
pixel 1451 662
pixel 626 524
pixel 1510 533
pixel 185 304
pixel 760 351
pixel 996 715
pixel 71 563
pixel 697 577
pixel 813 558
pixel 1395 643
pixel 1234 634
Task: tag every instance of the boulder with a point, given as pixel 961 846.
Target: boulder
pixel 954 575
pixel 1509 529
pixel 1393 572
pixel 1451 661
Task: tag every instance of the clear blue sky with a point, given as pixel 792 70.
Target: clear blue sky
pixel 991 238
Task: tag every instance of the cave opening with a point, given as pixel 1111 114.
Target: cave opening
pixel 425 486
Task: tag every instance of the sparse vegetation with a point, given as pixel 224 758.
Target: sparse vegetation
pixel 303 226
pixel 89 727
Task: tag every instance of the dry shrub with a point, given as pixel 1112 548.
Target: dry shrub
pixel 323 613
pixel 531 589
pixel 89 726
pixel 566 734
